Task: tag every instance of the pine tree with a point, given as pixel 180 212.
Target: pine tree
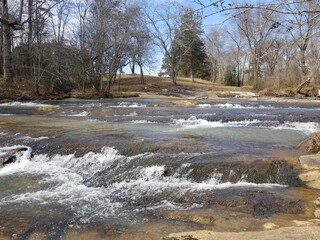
pixel 188 49
pixel 194 55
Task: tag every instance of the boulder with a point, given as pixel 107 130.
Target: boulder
pixel 10 160
pixel 309 91
pixel 312 144
pixel 317 201
pixel 317 213
pixel 311 178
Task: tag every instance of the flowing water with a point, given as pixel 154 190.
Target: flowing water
pixel 113 167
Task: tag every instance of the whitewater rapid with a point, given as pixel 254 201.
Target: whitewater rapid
pixel 62 180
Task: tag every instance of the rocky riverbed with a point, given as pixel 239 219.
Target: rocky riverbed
pixel 146 168
pixel 292 229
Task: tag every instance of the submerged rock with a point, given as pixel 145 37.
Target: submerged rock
pixel 11 156
pixel 10 160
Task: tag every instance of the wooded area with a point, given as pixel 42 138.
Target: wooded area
pixel 72 44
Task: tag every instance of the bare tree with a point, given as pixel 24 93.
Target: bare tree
pixel 299 19
pixel 164 22
pixel 216 50
pixel 9 24
pixel 257 26
pixel 81 39
pixel 140 42
pixel 238 55
pixel 301 24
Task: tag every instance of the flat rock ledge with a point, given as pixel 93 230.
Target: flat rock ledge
pixel 286 233
pixel 311 174
pixel 309 162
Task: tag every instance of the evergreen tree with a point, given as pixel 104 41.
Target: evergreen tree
pixel 191 43
pixel 188 49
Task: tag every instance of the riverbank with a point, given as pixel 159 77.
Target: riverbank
pixel 153 87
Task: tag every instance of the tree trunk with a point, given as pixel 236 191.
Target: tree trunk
pixel 37 81
pixel 173 77
pixel 132 67
pixel 83 84
pixel 7 55
pixel 238 74
pixel 192 75
pixel 141 74
pixel 1 49
pixel 304 67
pixel 255 69
pixel 30 35
pixel 6 38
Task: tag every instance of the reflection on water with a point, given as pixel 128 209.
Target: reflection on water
pixel 122 164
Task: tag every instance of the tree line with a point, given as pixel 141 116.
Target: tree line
pixel 272 44
pixel 67 44
pixel 63 44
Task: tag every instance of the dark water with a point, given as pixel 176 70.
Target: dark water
pixel 122 164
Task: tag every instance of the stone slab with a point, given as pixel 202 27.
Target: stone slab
pixel 311 178
pixel 310 162
pixel 287 233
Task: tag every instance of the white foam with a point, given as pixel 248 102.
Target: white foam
pixel 239 106
pixel 143 122
pixel 81 114
pixel 152 180
pixel 33 138
pixel 22 157
pixel 63 176
pixel 91 105
pixel 130 105
pixel 206 105
pixel 229 105
pixel 26 104
pixel 87 165
pixel 6 115
pixel 133 114
pixel 193 122
pixel 305 127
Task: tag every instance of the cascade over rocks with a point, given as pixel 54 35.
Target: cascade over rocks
pixel 11 156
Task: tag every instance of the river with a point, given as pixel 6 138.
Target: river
pixel 108 169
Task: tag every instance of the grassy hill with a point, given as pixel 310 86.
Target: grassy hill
pixel 130 85
pixel 125 86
